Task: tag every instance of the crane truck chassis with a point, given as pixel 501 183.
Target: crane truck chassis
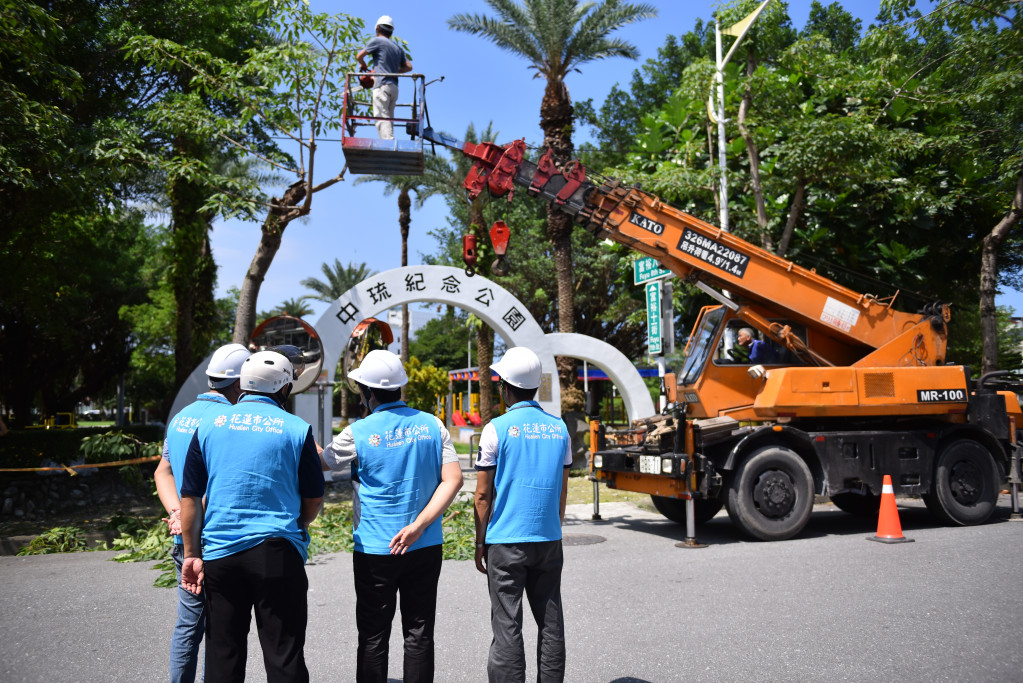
pixel 854 388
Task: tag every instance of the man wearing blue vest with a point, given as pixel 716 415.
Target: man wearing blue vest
pixel 222 374
pixel 521 483
pixel 405 473
pixel 258 467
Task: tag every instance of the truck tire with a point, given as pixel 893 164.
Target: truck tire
pixel 675 509
pixel 771 494
pixel 965 484
pixel 858 505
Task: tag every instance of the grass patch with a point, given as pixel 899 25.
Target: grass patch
pixel 580 490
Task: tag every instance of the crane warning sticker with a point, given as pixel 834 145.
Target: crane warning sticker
pixel 941 395
pixel 839 315
pixel 713 253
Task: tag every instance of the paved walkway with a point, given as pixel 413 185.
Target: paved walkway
pixel 825 606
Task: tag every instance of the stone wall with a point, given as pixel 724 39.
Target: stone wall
pixel 43 495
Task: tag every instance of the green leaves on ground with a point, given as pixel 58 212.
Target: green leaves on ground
pixel 60 539
pixel 332 531
pixel 142 541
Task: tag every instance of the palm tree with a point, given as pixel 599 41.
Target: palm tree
pixel 556 37
pixel 339 279
pixel 405 185
pixel 297 308
pixel 447 175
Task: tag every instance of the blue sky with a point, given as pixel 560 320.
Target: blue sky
pixel 482 84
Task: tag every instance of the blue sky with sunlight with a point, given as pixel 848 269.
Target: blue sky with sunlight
pixel 482 84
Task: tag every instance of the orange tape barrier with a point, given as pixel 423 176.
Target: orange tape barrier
pixel 71 469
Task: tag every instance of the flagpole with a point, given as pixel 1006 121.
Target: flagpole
pixel 739 30
pixel 719 77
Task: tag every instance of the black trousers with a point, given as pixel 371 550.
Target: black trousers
pixel 271 579
pixel 378 578
pixel 533 568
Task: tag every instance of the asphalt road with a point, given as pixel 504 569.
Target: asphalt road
pixel 827 606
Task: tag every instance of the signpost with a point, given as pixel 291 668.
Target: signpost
pixel 646 269
pixel 653 317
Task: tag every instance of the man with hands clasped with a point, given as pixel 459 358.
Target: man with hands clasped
pixel 405 473
pixel 521 484
pixel 257 467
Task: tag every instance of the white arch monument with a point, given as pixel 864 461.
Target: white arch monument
pixel 493 304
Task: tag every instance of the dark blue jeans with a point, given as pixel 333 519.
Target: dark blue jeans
pixel 188 630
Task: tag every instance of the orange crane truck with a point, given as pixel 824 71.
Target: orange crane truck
pixel 847 389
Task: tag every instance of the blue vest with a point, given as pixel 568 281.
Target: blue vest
pixel 396 472
pixel 531 447
pixel 252 451
pixel 181 428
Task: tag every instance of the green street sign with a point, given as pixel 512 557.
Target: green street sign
pixel 653 317
pixel 646 269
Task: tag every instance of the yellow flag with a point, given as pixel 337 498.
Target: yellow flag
pixel 739 28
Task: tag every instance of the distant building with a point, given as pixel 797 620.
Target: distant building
pixel 417 319
pixel 1017 327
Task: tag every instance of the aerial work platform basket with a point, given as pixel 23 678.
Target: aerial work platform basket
pixel 401 156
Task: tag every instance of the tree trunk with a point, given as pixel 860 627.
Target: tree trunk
pixel 556 118
pixel 188 237
pixel 484 334
pixel 484 358
pixel 795 212
pixel 282 212
pixel 404 222
pixel 754 157
pixel 989 280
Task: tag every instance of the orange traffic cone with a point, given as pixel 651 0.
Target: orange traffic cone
pixel 889 530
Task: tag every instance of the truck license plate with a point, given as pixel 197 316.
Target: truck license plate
pixel 649 464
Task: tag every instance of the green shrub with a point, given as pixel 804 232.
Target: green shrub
pixel 29 447
pixel 116 445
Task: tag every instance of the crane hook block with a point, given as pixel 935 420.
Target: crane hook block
pixel 499 235
pixel 469 254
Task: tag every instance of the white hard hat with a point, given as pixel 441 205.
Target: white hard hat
pixel 519 367
pixel 266 372
pixel 385 21
pixel 381 370
pixel 226 365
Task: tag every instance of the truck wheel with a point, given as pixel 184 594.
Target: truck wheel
pixel 675 509
pixel 965 484
pixel 858 505
pixel 771 494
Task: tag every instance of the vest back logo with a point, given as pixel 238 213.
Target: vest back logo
pixel 647 224
pixel 220 421
pixel 513 431
pixel 374 439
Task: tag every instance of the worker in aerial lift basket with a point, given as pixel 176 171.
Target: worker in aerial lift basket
pixel 388 57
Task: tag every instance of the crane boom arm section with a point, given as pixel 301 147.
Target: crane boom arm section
pixel 686 245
